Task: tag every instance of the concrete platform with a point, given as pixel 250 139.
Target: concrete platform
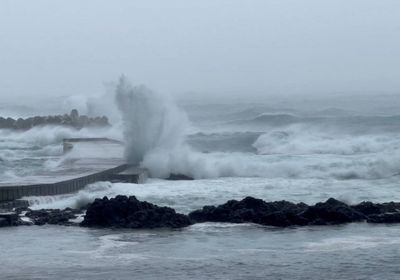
pixel 58 186
pixel 86 163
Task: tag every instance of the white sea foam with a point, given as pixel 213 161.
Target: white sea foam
pixel 74 200
pixel 154 130
pixel 152 122
pixel 308 139
pixel 349 243
pixel 186 196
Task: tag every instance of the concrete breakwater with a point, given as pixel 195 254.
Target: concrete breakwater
pixel 74 174
pixel 70 120
pixel 10 195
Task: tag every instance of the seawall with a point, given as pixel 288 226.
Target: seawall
pixel 10 193
pixel 74 175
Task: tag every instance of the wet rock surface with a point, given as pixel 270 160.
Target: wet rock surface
pixel 179 177
pixel 331 212
pixel 53 216
pixel 128 212
pixel 283 213
pixel 252 210
pixel 8 219
pixel 386 218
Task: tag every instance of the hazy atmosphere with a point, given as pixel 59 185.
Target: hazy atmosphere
pixel 74 47
pixel 199 139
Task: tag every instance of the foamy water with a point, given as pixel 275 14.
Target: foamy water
pixel 186 196
pixel 232 151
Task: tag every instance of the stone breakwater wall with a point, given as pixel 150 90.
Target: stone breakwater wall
pixel 71 120
pixel 10 194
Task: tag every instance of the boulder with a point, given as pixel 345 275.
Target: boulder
pixel 386 218
pixel 279 213
pixel 253 210
pixel 330 212
pixel 53 216
pixel 368 208
pixel 179 177
pixel 4 222
pixel 128 212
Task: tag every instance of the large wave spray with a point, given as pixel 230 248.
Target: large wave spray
pixel 152 122
pixel 155 133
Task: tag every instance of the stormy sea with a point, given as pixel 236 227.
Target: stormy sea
pixel 295 148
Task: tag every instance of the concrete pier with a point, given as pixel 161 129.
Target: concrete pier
pixel 13 192
pixel 104 164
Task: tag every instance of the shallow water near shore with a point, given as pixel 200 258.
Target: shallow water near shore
pixel 202 251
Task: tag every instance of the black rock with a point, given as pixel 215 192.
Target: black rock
pixel 179 177
pixel 330 212
pixel 252 210
pixel 4 222
pixel 53 216
pixel 368 208
pixel 279 213
pixel 389 207
pixel 128 212
pixel 8 219
pixel 19 210
pixel 387 218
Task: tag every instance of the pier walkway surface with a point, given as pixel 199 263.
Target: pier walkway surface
pixel 87 160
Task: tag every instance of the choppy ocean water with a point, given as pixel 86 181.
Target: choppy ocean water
pixel 234 151
pixel 202 251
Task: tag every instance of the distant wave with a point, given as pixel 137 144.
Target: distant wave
pixel 268 145
pixel 350 123
pixel 224 141
pixel 269 119
pixel 289 146
pixel 303 140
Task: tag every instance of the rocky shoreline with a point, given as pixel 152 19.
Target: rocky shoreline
pixel 73 120
pixel 129 212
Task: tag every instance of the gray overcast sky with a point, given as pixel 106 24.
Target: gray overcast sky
pixel 73 47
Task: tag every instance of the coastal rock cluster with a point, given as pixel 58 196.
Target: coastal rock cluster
pixel 280 213
pixel 24 216
pixel 129 212
pixel 71 120
pixel 8 219
pixel 53 216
